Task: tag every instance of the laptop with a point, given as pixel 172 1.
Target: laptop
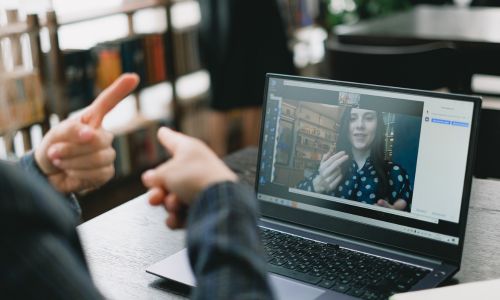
pixel 363 189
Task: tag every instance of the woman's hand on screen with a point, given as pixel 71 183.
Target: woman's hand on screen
pixel 329 172
pixel 400 204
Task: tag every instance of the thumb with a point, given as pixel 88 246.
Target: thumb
pixel 109 98
pixel 171 140
pixel 72 131
pixel 383 203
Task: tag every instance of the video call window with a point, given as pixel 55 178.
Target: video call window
pixel 346 152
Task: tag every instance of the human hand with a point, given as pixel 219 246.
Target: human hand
pixel 400 204
pixel 329 172
pixel 178 182
pixel 76 154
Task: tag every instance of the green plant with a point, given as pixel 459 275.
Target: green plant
pixel 351 11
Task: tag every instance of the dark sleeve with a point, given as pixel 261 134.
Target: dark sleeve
pixel 224 245
pixel 29 164
pixel 40 253
pixel 307 183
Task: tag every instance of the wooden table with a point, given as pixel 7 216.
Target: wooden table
pixel 121 243
pixel 473 30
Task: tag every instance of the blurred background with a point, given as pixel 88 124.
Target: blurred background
pixel 57 55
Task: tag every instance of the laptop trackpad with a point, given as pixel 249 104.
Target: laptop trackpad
pixel 287 289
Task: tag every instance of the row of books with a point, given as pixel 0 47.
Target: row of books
pixel 21 102
pixel 301 13
pixel 87 72
pixel 187 58
pixel 138 149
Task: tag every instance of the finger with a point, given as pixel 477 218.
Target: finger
pixel 327 155
pixel 331 160
pixel 67 150
pixel 150 180
pixel 383 203
pixel 176 221
pixel 98 159
pixel 336 165
pixel 109 98
pixel 331 176
pixel 173 204
pixel 172 221
pixel 156 196
pixel 96 176
pixel 72 131
pixel 171 140
pixel 157 177
pixel 335 183
pixel 335 157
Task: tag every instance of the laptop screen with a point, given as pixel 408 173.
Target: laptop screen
pixel 390 159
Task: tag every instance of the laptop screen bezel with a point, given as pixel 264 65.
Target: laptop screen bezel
pixel 418 245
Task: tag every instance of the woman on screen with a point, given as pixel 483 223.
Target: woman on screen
pixel 358 171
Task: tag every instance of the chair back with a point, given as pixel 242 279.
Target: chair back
pixel 429 66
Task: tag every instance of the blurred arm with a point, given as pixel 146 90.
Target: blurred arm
pixel 224 245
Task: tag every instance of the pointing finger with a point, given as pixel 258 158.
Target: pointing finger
pixel 171 140
pixel 109 98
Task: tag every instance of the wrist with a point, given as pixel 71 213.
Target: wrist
pixel 225 176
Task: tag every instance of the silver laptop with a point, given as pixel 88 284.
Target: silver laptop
pixel 363 189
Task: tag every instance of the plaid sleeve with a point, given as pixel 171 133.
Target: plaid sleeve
pixel 29 164
pixel 224 245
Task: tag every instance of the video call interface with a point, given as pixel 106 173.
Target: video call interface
pixel 354 154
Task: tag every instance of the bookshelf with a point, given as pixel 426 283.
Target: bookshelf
pixel 21 94
pixel 159 57
pixel 316 133
pixel 306 132
pixel 71 83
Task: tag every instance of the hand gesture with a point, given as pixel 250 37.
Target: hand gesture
pixel 76 154
pixel 178 182
pixel 329 172
pixel 399 204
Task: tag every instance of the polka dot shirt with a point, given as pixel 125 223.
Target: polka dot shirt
pixel 362 185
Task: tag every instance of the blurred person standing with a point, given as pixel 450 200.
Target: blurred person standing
pixel 241 41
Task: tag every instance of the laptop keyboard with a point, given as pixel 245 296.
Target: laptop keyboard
pixel 332 267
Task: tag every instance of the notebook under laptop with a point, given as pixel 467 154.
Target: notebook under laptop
pixel 364 190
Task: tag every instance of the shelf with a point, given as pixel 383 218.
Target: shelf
pixel 184 29
pixel 316 149
pixel 316 124
pixel 308 159
pixel 315 136
pixel 13 29
pixel 287 118
pixel 125 8
pixel 21 125
pixel 19 72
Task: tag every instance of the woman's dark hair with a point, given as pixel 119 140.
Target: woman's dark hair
pixel 377 149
